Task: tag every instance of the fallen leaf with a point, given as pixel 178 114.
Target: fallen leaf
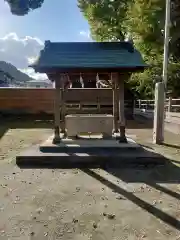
pixel 111 216
pixel 32 233
pixel 75 220
pixel 94 225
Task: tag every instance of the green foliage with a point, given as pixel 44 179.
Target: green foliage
pixel 174 79
pixel 105 18
pixel 22 7
pixel 144 21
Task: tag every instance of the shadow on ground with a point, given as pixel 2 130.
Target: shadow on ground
pixel 139 123
pixel 24 122
pixel 151 177
pixel 46 121
pixel 3 130
pixel 88 157
pixel 139 172
pixel 142 171
pixel 171 145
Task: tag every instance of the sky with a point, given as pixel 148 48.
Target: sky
pixel 22 37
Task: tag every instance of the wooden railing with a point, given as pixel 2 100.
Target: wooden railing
pixel 171 104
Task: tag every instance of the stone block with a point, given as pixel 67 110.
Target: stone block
pixel 84 123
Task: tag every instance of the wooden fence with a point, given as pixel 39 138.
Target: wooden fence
pixel 31 101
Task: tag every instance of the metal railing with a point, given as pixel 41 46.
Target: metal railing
pixel 171 104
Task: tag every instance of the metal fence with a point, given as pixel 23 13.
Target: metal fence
pixel 171 104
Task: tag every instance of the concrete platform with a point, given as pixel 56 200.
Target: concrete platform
pixel 88 143
pixel 87 154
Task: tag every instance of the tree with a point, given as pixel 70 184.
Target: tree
pixel 22 7
pixel 144 21
pixel 105 18
pixel 149 36
pixel 115 19
pixel 175 33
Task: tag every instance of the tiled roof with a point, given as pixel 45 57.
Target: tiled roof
pixel 85 55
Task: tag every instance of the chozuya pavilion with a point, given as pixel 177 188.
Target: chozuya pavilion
pixel 63 61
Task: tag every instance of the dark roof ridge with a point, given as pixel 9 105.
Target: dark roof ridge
pixel 119 44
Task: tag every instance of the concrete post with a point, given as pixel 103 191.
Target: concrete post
pixel 57 97
pixel 159 113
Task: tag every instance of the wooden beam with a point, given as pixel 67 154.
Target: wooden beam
pixel 90 71
pixel 98 70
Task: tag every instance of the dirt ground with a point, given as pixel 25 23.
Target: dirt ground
pixel 116 204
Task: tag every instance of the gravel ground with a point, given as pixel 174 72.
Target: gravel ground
pixel 116 204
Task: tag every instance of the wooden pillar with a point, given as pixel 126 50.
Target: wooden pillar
pixel 122 138
pixel 115 101
pixel 63 106
pixel 57 97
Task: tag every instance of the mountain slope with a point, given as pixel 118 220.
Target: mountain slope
pixel 12 74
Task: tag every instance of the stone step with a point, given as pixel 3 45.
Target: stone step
pixel 87 149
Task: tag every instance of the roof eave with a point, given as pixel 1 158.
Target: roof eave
pixel 47 69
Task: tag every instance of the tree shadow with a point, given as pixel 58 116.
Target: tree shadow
pixel 146 146
pixel 24 122
pixel 164 190
pixel 166 218
pixel 3 130
pixel 42 120
pixel 3 126
pixel 171 145
pixel 139 123
pixel 167 173
pixel 141 172
pixel 45 121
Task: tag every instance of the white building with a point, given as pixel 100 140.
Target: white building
pixel 39 84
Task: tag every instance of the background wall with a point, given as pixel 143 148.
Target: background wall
pixel 24 100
